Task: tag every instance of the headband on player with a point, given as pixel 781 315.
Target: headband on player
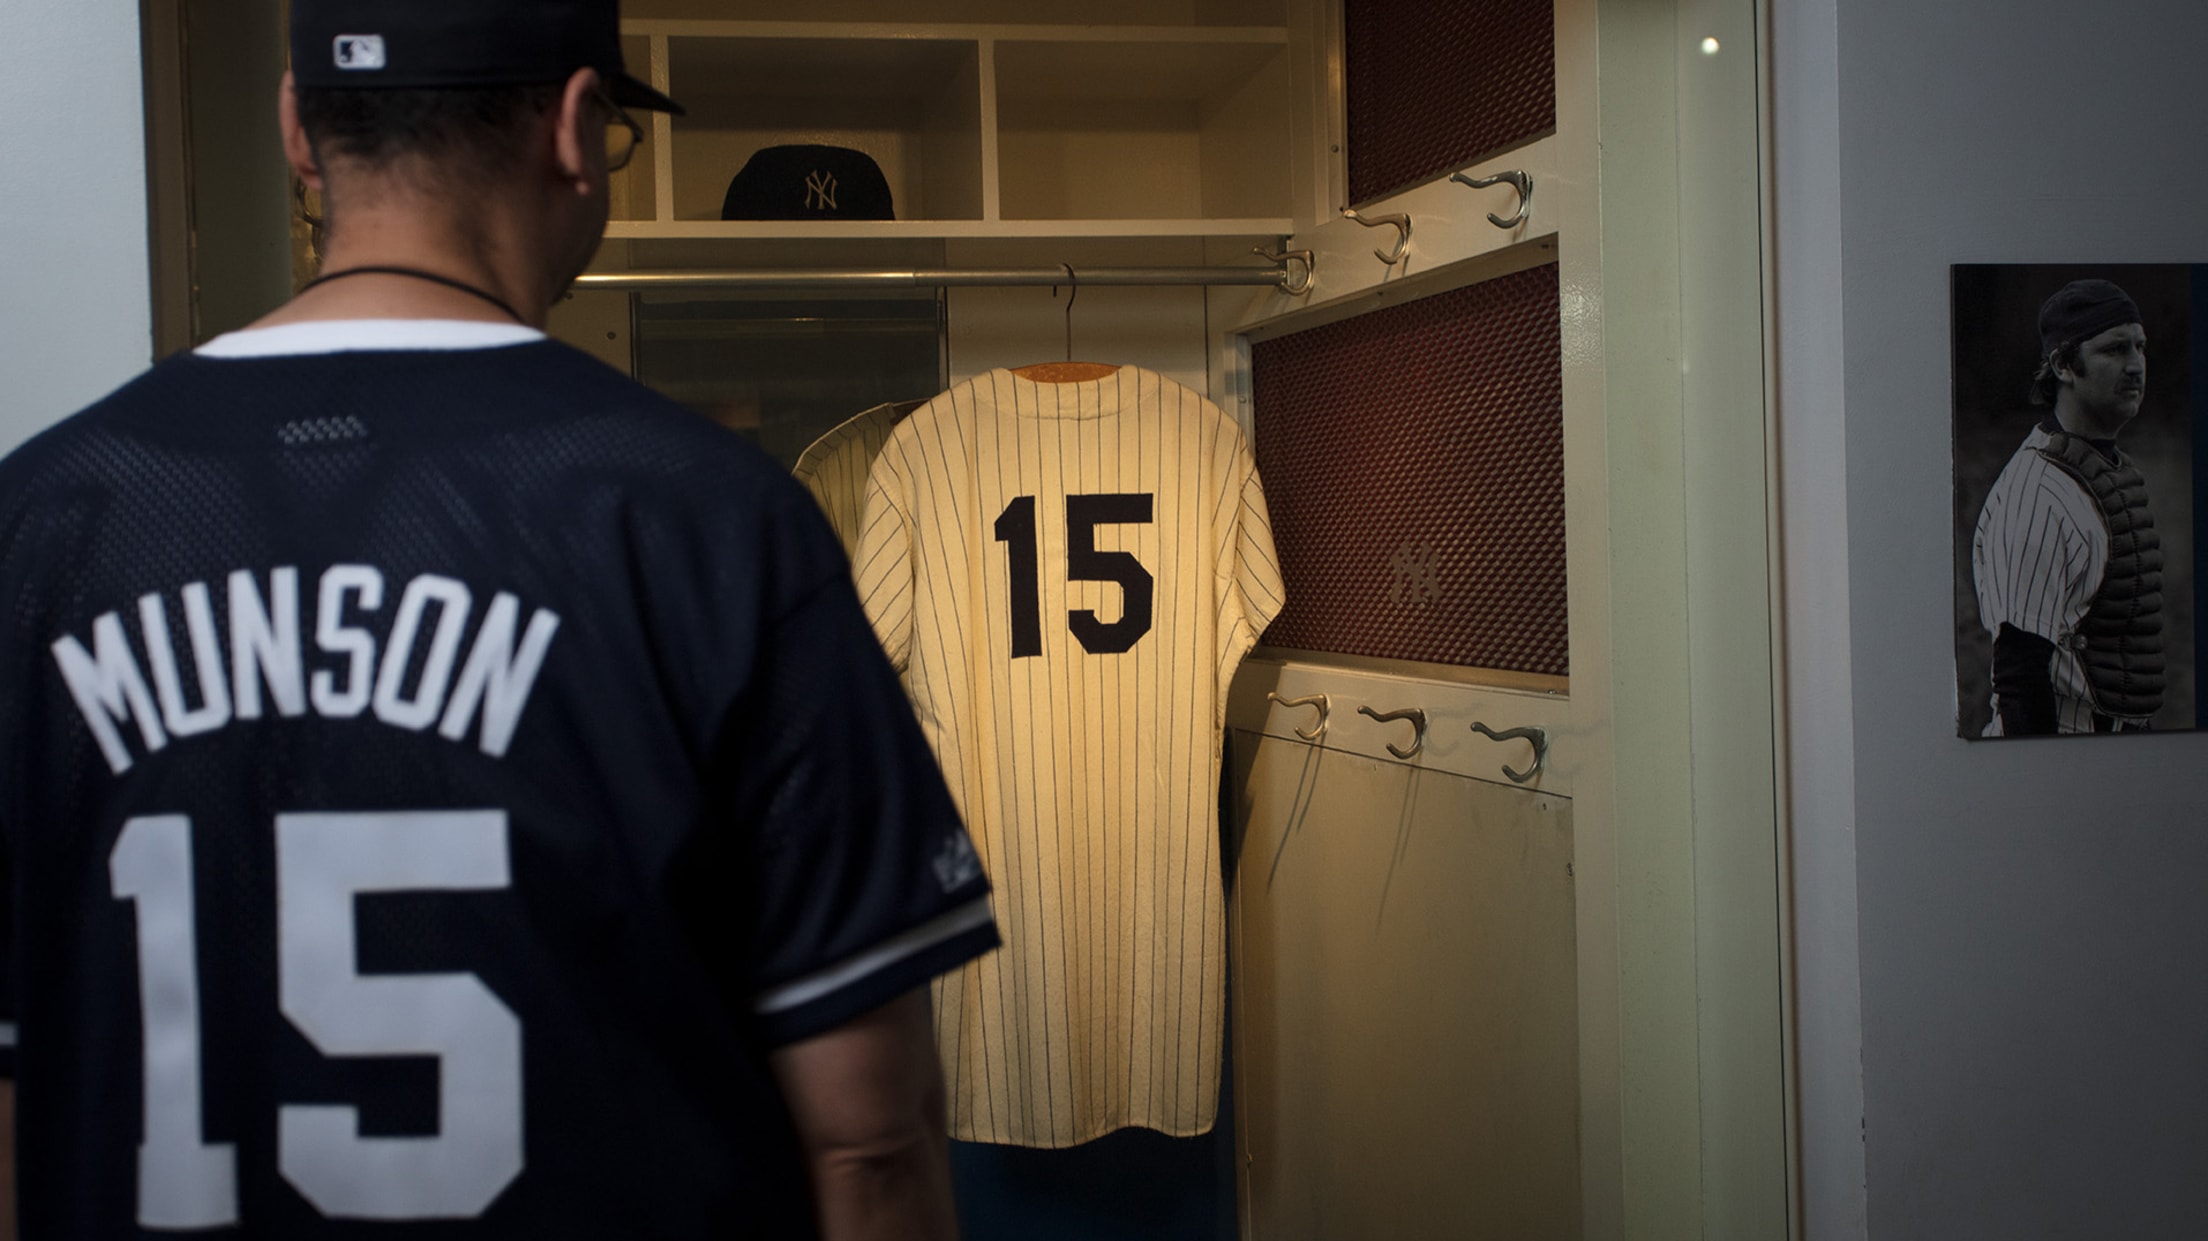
pixel 413 45
pixel 2082 310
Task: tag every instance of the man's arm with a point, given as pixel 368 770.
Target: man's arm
pixel 867 1097
pixel 2024 683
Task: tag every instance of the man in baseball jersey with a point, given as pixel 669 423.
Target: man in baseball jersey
pixel 446 789
pixel 1069 574
pixel 2066 559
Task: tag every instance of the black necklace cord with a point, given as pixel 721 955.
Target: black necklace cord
pixel 418 274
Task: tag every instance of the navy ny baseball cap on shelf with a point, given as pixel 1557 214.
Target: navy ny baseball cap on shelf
pixel 432 44
pixel 805 181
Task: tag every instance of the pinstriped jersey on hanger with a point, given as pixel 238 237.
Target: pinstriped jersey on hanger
pixel 1068 575
pixel 835 467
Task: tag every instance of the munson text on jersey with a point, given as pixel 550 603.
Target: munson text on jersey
pixel 417 679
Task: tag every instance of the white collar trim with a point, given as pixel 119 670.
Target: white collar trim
pixel 324 336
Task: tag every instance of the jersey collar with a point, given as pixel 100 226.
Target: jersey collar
pixel 326 336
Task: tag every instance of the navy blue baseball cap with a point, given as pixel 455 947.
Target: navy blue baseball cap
pixel 432 44
pixel 808 182
pixel 2082 310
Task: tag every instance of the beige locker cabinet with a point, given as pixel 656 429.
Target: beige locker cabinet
pixel 1648 196
pixel 1405 997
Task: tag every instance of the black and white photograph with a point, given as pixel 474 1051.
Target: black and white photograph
pixel 2074 499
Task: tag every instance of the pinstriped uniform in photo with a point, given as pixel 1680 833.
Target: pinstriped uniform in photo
pixel 1067 576
pixel 2040 550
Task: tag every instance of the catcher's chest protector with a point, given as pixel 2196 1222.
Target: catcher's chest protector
pixel 2119 641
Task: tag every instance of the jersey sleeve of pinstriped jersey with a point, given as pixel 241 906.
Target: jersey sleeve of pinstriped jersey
pixel 1255 593
pixel 864 881
pixel 835 469
pixel 815 473
pixel 882 568
pixel 2039 550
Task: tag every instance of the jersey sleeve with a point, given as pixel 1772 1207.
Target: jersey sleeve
pixel 2038 551
pixel 807 474
pixel 862 877
pixel 1253 593
pixel 883 567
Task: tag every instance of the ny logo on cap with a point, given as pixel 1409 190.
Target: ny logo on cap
pixel 359 51
pixel 820 191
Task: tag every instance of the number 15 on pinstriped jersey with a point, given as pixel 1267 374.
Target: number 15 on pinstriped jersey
pixel 1017 529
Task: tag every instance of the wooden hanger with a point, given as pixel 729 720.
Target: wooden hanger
pixel 1065 372
pixel 1068 371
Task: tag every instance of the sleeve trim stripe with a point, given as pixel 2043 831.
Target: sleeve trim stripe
pixel 7 1034
pixel 803 991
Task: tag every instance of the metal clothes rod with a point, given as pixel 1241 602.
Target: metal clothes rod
pixel 936 278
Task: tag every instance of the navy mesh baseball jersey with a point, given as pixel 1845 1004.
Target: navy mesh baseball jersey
pixel 432 780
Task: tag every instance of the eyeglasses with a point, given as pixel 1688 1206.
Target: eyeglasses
pixel 623 134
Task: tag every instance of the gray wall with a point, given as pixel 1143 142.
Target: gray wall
pixel 74 316
pixel 2032 916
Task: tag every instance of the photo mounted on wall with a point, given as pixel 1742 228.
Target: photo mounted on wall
pixel 2078 436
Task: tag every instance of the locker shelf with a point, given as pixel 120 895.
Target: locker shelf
pixel 920 230
pixel 982 130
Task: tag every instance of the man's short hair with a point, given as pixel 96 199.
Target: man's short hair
pixel 466 129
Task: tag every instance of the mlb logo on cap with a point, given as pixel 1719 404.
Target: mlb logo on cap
pixel 462 45
pixel 359 51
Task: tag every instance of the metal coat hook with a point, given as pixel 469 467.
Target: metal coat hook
pixel 1416 716
pixel 1400 222
pixel 1289 283
pixel 1073 290
pixel 1538 736
pixel 1326 708
pixel 1520 181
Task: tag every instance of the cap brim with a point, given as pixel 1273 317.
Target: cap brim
pixel 630 93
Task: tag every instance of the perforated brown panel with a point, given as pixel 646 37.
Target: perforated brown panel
pixel 1414 464
pixel 1435 85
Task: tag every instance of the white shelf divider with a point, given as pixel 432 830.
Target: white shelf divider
pixel 663 139
pixel 992 185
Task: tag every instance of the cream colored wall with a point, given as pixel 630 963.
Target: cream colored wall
pixel 75 312
pixel 1160 329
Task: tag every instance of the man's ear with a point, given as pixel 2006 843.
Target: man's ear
pixel 578 133
pixel 298 150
